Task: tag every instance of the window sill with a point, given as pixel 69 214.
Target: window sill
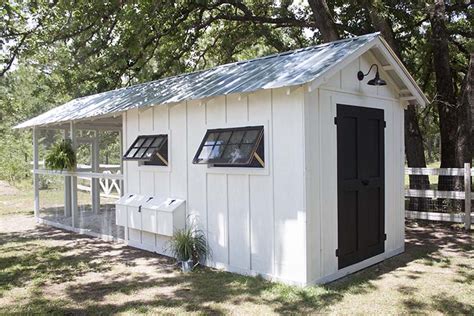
pixel 237 170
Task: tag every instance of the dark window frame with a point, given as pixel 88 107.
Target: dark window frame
pixel 256 157
pixel 160 150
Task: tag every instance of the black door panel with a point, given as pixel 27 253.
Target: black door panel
pixel 360 165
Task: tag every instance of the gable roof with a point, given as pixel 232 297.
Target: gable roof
pixel 275 71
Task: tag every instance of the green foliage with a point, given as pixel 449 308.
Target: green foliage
pixel 24 93
pixel 189 243
pixel 61 156
pixel 46 45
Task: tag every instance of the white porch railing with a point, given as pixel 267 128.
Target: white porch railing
pixel 110 188
pixel 430 194
pixel 109 181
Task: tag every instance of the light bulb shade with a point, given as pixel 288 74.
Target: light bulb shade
pixel 377 81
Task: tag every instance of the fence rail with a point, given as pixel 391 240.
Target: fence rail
pixel 430 194
pixel 109 181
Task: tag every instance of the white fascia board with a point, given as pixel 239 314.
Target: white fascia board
pixel 401 71
pixel 395 63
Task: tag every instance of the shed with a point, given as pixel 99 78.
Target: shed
pixel 291 163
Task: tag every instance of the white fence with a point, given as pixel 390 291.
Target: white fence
pixel 431 194
pixel 109 187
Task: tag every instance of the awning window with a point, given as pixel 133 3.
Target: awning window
pixel 151 149
pixel 228 147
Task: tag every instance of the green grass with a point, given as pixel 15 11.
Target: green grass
pixel 44 270
pixel 21 203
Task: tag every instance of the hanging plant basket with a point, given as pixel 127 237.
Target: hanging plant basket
pixel 61 156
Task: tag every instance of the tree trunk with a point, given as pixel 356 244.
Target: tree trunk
pixel 415 156
pixel 452 118
pixel 382 24
pixel 323 20
pixel 414 150
pixel 467 105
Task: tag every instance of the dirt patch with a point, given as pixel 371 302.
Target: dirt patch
pixel 7 189
pixel 47 270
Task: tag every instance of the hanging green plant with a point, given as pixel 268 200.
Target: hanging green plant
pixel 61 156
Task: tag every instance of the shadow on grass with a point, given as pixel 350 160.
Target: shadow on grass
pixel 205 290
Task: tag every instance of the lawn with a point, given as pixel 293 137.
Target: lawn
pixel 48 270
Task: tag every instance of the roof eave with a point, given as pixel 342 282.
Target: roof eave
pixel 402 72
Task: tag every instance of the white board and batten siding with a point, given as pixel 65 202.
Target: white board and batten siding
pixel 279 221
pixel 321 166
pixel 255 219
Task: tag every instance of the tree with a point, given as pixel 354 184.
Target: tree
pixel 97 46
pixel 454 115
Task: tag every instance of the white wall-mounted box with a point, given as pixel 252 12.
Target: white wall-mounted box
pixel 150 215
pixel 170 215
pixel 128 212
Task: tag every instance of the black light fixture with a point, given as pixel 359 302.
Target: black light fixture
pixel 373 82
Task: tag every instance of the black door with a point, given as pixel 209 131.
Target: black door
pixel 360 172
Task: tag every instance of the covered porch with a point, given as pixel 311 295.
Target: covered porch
pixel 80 200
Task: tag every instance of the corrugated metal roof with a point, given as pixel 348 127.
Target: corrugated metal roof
pixel 274 71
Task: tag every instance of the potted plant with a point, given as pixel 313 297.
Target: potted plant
pixel 189 246
pixel 61 156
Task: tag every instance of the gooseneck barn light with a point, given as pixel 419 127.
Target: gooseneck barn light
pixel 373 82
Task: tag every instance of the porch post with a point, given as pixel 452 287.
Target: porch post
pixel 95 187
pixel 67 186
pixel 35 175
pixel 121 163
pixel 73 179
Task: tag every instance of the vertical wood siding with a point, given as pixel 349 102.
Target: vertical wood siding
pixel 255 219
pixel 321 163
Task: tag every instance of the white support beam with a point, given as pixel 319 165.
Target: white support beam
pixel 67 184
pixel 74 209
pixel 95 187
pixel 121 136
pixel 36 176
pixel 387 67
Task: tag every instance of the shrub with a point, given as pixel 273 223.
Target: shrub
pixel 189 243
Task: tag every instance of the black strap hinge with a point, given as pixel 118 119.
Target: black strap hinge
pixel 384 124
pixel 335 120
pixel 337 252
pixel 384 236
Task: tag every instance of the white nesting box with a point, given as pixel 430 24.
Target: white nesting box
pixel 152 214
pixel 127 210
pixel 164 216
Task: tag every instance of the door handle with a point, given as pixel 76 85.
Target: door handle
pixel 365 182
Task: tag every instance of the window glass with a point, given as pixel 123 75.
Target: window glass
pixel 250 137
pixel 232 147
pixel 152 150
